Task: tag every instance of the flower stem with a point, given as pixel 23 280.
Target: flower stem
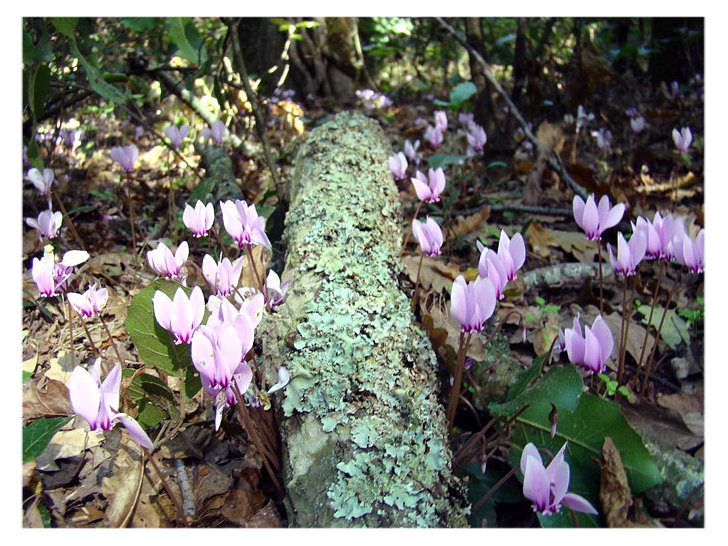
pixel 219 242
pixel 130 206
pixel 111 339
pixel 459 365
pixel 495 488
pixel 167 488
pixel 70 327
pixel 601 281
pixel 247 423
pixel 417 281
pixel 417 211
pixel 652 309
pixel 261 284
pixel 70 222
pixel 622 335
pixel 648 367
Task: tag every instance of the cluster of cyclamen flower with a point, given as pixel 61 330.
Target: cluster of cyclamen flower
pixel 218 347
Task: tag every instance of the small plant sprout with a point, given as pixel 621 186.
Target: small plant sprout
pixel 591 349
pixel 199 219
pixel 48 223
pixel 223 276
pixel 98 402
pixel 428 189
pixel 90 303
pixel 166 264
pixel 125 156
pixel 176 134
pixel 180 316
pixel 682 139
pixel 546 487
pixel 398 165
pixel 43 181
pixel 216 132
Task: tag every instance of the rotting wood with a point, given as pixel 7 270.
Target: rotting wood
pixel 364 435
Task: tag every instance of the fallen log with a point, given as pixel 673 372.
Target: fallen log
pixel 364 436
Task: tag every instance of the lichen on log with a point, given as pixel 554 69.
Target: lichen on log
pixel 364 435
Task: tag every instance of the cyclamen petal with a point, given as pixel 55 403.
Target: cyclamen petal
pixel 135 431
pixel 83 391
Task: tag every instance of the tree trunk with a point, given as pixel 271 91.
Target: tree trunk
pixel 484 110
pixel 364 435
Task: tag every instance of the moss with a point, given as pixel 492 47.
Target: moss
pixel 358 363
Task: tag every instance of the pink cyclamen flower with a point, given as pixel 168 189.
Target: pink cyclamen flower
pixel 48 223
pixel 98 403
pixel 166 264
pixel 216 132
pixel 595 219
pixel 276 290
pixel 671 228
pixel 125 156
pixel 476 138
pixel 243 224
pixel 637 124
pixel 180 316
pixel 429 235
pixel 398 165
pixel 410 150
pixel 547 487
pixel 218 353
pixel 491 267
pixel 682 139
pixel 429 189
pixel 512 253
pixel 433 136
pixel 176 134
pixel 691 253
pixel 90 302
pixel 223 276
pixel 472 303
pixel 43 181
pixel 441 120
pixel 50 277
pixel 591 349
pixel 631 112
pixel 199 219
pixel 466 118
pixel 629 254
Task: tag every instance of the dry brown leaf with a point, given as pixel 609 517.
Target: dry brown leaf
pixel 540 239
pixel 60 367
pixel 122 487
pixel 266 517
pixel 66 444
pixel 247 277
pixel 615 495
pixel 50 400
pixel 443 320
pixel 435 274
pixel 635 337
pixel 575 243
pixel 551 137
pixel 469 224
pixel 689 406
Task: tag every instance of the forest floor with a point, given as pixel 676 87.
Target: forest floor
pixel 85 480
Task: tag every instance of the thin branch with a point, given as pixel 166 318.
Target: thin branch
pixel 555 160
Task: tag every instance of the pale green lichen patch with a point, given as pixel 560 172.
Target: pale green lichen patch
pixel 357 361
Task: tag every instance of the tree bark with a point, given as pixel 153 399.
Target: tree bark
pixel 364 435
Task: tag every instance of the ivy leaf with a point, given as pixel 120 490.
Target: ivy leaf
pixel 65 25
pixel 38 434
pixel 440 160
pixel 154 398
pixel 155 344
pixel 462 92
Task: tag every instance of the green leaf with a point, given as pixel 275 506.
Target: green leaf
pixel 479 484
pixel 183 33
pixel 33 153
pixel 560 386
pixel 27 375
pixel 525 378
pixel 140 24
pixel 45 516
pixel 674 328
pixel 96 79
pixel 202 190
pixel 440 160
pixel 39 90
pixel 155 344
pixel 585 429
pixel 462 92
pixel 438 102
pixel 38 434
pixel 65 25
pixel 154 398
